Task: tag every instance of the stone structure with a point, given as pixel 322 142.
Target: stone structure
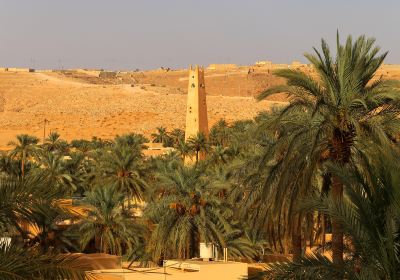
pixel 196 111
pixel 18 70
pixel 264 63
pixel 297 64
pixel 44 71
pixel 222 66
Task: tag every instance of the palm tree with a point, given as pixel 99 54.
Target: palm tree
pixel 369 215
pixel 161 136
pixel 24 148
pixel 23 201
pixel 47 233
pixel 79 167
pixel 183 149
pixel 54 143
pixel 112 229
pixel 17 262
pixel 52 170
pixel 177 135
pixel 123 167
pixel 82 145
pixel 183 212
pixel 135 141
pixel 219 155
pixel 219 133
pixel 198 145
pixel 10 166
pixel 329 116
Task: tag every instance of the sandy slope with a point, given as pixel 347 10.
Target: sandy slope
pixel 77 109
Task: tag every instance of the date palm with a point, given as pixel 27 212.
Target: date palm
pixel 183 149
pixel 53 172
pixel 112 229
pixel 53 143
pixel 82 145
pixel 198 145
pixel 177 135
pixel 10 166
pixel 369 215
pixel 17 262
pixel 23 200
pixel 219 133
pixel 329 115
pixel 122 167
pixel 184 211
pixel 29 200
pixel 24 148
pixel 161 136
pixel 135 141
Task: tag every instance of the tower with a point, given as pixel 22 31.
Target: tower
pixel 196 110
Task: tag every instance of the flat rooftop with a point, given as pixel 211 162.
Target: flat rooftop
pixel 209 270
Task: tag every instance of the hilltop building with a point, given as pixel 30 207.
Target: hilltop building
pixel 264 63
pixel 222 66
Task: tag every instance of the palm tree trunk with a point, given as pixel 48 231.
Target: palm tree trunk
pixel 296 241
pixel 23 163
pixel 296 244
pixel 337 230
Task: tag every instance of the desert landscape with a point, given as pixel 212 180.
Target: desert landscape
pixel 81 104
pixel 78 105
pixel 183 140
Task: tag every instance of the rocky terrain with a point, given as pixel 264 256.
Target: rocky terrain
pixel 83 105
pixel 79 109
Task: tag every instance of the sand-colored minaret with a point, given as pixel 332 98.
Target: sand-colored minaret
pixel 196 111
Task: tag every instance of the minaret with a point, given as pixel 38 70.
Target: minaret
pixel 196 111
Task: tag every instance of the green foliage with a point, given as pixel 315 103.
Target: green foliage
pixel 162 136
pixel 24 148
pixel 122 166
pixel 53 143
pixel 53 171
pixel 185 212
pixel 198 144
pixel 106 223
pixel 332 118
pixel 18 263
pixel 369 215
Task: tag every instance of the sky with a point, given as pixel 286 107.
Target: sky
pixel 147 34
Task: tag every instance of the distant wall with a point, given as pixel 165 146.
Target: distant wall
pixel 279 66
pixel 44 70
pixel 13 69
pixel 222 66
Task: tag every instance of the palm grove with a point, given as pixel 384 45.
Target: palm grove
pixel 326 163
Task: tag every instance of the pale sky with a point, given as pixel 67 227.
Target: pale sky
pixel 130 34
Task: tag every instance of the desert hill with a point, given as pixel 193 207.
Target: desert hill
pixel 83 103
